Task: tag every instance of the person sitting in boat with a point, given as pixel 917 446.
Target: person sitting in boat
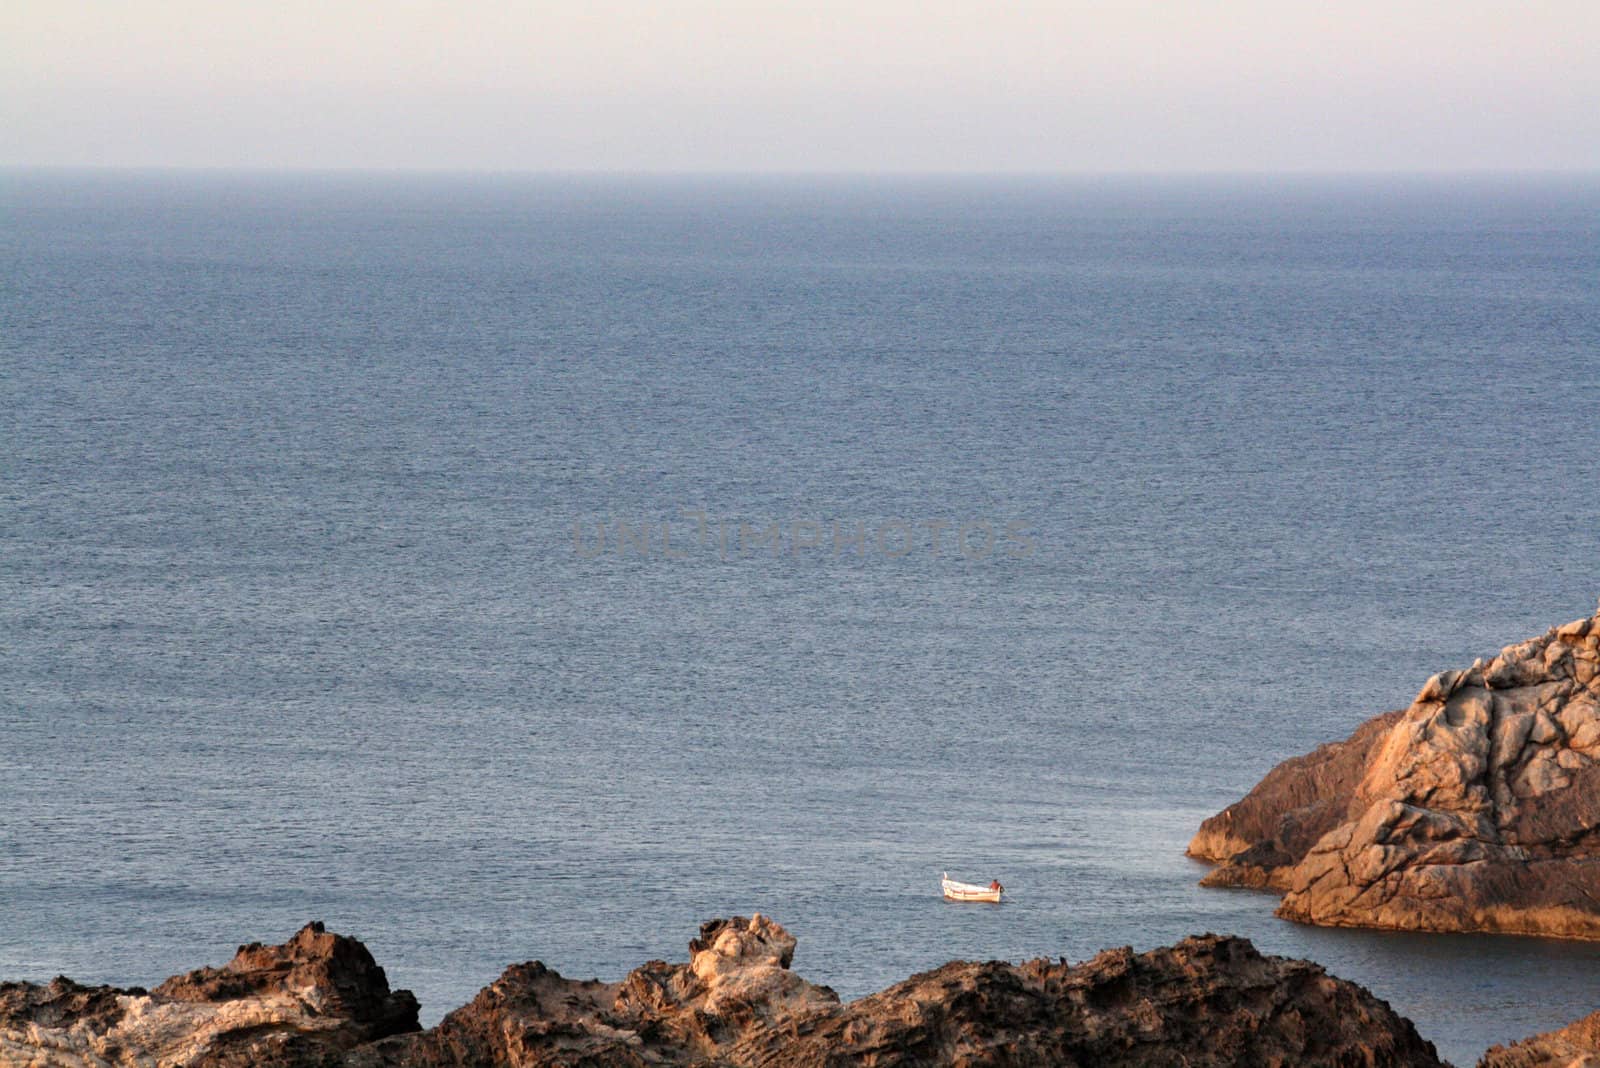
pixel 994 884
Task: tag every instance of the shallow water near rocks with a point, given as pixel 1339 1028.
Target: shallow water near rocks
pixel 295 625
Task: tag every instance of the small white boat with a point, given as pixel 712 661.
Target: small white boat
pixel 955 891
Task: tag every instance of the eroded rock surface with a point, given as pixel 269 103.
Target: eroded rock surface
pixel 737 981
pixel 1475 809
pixel 304 1003
pixel 1206 1001
pixel 1574 1046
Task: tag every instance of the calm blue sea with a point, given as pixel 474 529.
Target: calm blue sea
pixel 332 581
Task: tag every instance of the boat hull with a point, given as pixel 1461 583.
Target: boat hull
pixel 954 891
pixel 982 895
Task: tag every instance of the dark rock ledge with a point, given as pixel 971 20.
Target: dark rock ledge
pixel 320 1001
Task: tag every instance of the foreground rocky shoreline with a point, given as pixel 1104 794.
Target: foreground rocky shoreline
pixel 1475 809
pixel 320 1001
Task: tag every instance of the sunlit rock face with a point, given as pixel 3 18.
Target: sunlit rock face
pixel 304 1003
pixel 1475 809
pixel 1574 1046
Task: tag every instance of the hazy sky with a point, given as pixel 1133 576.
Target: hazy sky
pixel 825 85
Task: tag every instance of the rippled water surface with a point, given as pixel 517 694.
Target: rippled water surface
pixel 295 624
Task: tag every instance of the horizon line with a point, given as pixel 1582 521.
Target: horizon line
pixel 667 172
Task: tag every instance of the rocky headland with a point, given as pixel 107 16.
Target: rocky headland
pixel 319 1001
pixel 1475 809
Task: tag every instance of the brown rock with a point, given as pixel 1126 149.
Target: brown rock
pixel 737 981
pixel 1203 1003
pixel 335 975
pixel 1298 802
pixel 1574 1046
pixel 1206 1001
pixel 1476 809
pixel 304 1003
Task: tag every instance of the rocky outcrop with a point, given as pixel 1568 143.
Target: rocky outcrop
pixel 1263 835
pixel 1475 809
pixel 1206 1001
pixel 304 1003
pixel 1574 1046
pixel 737 982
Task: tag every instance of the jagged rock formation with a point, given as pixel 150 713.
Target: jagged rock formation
pixel 737 981
pixel 1206 1001
pixel 1574 1046
pixel 302 1004
pixel 1476 809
